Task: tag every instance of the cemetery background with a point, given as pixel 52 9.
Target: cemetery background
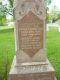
pixel 7 48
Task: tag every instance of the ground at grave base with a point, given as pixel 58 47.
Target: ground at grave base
pixel 31 72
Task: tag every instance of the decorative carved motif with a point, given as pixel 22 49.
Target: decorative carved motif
pixel 29 5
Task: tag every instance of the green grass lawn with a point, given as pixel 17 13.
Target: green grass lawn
pixel 7 51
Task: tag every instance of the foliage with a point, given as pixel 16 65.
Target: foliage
pixel 47 2
pixel 53 16
pixel 4 10
pixel 11 2
pixel 49 17
pixel 2 20
pixel 2 14
pixel 10 7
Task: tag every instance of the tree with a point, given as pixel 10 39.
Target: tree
pixel 4 10
pixel 2 14
pixel 47 2
pixel 11 2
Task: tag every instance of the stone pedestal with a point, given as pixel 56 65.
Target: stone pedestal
pixel 36 71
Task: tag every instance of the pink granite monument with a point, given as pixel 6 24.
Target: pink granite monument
pixel 30 62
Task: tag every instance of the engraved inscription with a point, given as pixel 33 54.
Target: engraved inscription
pixel 30 34
pixel 33 68
pixel 30 38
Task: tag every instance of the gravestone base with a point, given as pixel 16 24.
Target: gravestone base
pixel 31 72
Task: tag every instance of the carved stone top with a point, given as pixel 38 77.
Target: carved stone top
pixel 22 7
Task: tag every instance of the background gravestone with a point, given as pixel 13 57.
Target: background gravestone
pixel 30 62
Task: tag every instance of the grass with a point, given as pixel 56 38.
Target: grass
pixel 7 51
pixel 53 49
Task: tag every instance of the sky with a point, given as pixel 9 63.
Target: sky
pixel 4 2
pixel 56 2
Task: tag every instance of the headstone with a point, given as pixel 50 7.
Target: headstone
pixel 47 27
pixel 30 62
pixel 59 29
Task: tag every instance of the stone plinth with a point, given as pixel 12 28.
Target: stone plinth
pixel 43 71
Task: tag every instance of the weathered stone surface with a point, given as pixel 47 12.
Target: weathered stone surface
pixel 30 38
pixel 30 62
pixel 30 32
pixel 22 7
pixel 31 72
